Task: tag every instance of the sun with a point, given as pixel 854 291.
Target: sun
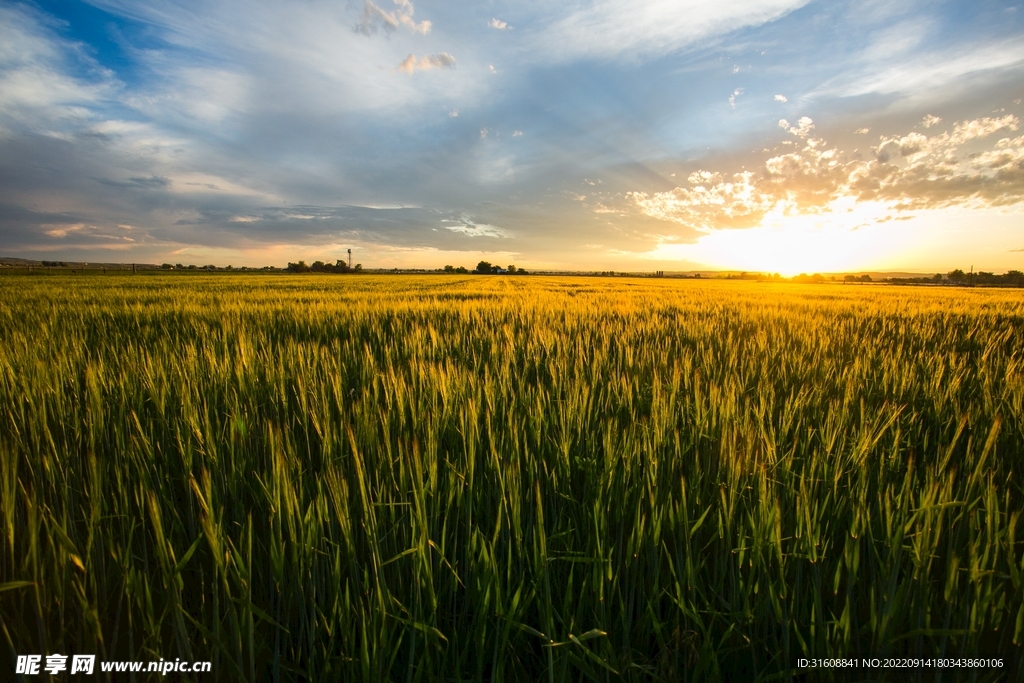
pixel 845 238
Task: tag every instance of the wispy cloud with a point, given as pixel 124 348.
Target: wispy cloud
pixel 924 70
pixel 499 24
pixel 781 98
pixel 606 29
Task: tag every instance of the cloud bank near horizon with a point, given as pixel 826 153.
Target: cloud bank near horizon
pixel 907 172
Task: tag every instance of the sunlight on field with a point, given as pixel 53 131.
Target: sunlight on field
pixel 488 478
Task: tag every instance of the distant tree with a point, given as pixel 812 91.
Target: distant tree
pixel 484 268
pixel 462 270
pixel 299 267
pixel 178 266
pixel 166 266
pixel 358 268
pixel 984 277
pixel 449 269
pixel 937 277
pixel 191 266
pixel 957 276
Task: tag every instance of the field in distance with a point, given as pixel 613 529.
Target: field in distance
pixel 502 479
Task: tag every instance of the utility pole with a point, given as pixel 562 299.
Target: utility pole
pixel 350 259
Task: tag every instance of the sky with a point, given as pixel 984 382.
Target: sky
pixel 761 135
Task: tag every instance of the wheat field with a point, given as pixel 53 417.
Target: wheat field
pixel 473 478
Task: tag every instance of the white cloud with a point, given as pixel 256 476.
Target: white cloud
pixel 374 18
pixel 38 92
pixel 454 113
pixel 609 28
pixel 483 133
pixel 490 67
pixel 470 229
pixel 720 203
pixel 499 24
pixel 802 128
pixel 929 121
pixel 983 127
pixel 781 98
pixel 517 133
pixel 862 131
pixel 732 98
pixel 441 60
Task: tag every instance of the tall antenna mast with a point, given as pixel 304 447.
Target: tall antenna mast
pixel 350 259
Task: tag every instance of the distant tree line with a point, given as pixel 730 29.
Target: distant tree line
pixel 340 266
pixel 486 268
pixel 211 267
pixel 1011 278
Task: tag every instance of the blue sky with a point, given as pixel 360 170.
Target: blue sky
pixel 776 135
